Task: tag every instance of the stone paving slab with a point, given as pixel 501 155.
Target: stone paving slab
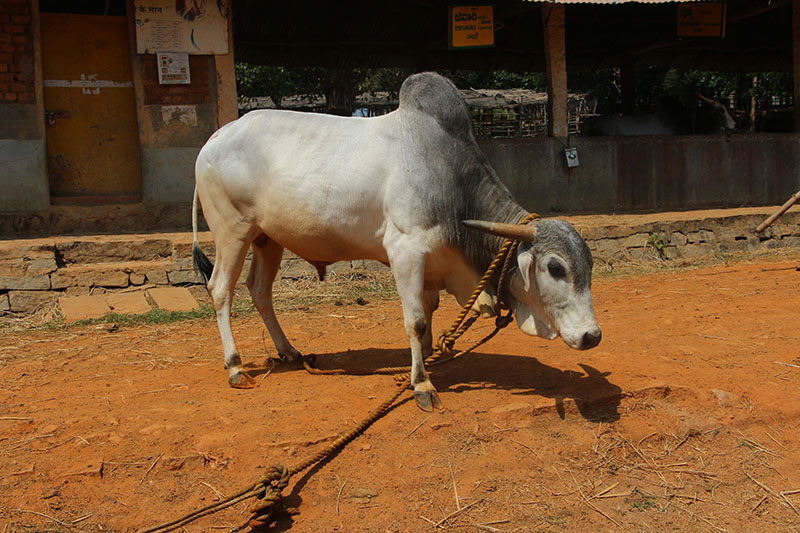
pixel 83 307
pixel 173 299
pixel 130 303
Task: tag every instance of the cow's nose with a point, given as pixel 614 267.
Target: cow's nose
pixel 591 339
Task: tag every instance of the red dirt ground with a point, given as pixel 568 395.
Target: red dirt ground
pixel 686 417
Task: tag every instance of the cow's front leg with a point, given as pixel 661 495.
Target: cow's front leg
pixel 431 303
pixel 408 267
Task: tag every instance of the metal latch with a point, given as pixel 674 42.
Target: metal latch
pixel 51 116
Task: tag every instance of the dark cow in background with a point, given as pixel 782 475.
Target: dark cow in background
pixel 710 117
pixel 394 189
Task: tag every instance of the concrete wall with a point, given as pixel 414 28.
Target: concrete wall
pixel 23 159
pixel 23 178
pixel 174 122
pixel 628 174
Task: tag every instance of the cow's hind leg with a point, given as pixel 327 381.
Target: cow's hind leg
pixel 229 259
pixel 266 262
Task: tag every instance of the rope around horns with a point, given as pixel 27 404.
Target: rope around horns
pixel 268 489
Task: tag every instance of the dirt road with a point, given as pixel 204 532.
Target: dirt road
pixel 686 417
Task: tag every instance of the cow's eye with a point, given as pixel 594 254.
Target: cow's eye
pixel 556 269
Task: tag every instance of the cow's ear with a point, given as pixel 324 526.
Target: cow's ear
pixel 526 262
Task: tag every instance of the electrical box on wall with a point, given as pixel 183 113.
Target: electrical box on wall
pixel 572 157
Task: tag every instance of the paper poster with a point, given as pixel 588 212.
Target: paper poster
pixel 188 26
pixel 173 68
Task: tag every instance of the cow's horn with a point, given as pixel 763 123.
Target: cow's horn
pixel 509 231
pixel 704 98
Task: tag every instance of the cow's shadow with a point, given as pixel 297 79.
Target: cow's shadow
pixel 595 397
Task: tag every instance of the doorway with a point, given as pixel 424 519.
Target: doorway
pixel 90 110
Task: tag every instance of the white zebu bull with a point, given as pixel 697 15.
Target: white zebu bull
pixel 395 189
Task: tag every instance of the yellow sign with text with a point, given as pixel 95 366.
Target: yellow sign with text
pixel 701 19
pixel 471 26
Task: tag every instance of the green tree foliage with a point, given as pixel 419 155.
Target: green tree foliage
pixel 497 79
pixel 278 82
pixel 383 79
pixel 654 86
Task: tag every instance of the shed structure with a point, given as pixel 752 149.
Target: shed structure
pixel 104 104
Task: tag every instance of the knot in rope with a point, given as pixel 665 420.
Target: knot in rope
pixel 267 501
pixel 444 344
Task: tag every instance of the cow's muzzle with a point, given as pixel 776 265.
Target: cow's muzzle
pixel 591 339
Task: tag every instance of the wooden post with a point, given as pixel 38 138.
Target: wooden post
pixel 227 101
pixel 773 217
pixel 796 62
pixel 555 54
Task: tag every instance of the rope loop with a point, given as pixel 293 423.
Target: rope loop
pixel 268 500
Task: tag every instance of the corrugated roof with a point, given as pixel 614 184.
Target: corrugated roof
pixel 616 1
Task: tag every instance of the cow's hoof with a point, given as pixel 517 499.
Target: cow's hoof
pixel 241 380
pixel 427 400
pixel 292 357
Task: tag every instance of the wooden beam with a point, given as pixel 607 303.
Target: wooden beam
pixel 556 69
pixel 796 62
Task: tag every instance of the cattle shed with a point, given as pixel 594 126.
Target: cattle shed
pixel 104 104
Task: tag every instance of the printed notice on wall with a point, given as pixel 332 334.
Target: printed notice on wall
pixel 701 19
pixel 173 68
pixel 471 26
pixel 188 26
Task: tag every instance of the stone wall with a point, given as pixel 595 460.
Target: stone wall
pixel 35 273
pixel 689 239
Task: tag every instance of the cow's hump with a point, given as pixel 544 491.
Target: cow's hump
pixel 435 95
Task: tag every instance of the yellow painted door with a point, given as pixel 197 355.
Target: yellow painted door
pixel 92 141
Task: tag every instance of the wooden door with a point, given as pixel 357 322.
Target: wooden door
pixel 92 140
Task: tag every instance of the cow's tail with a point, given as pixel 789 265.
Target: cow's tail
pixel 201 262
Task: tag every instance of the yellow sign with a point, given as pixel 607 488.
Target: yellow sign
pixel 701 19
pixel 471 26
